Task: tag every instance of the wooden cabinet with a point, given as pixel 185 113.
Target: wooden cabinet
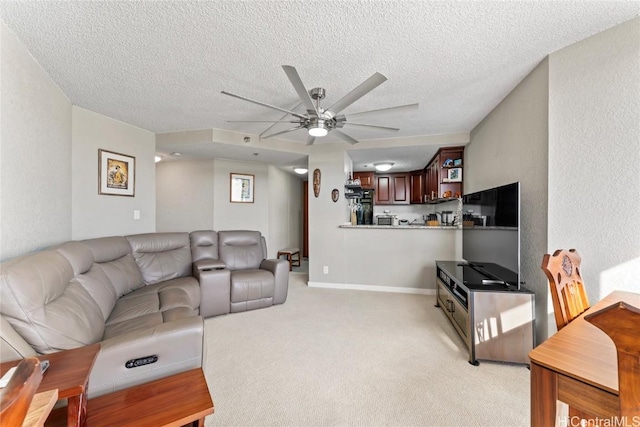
pixel 392 189
pixel 383 191
pixel 417 187
pixel 433 179
pixel 366 179
pixel 444 175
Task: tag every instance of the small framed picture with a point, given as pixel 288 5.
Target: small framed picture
pixel 116 174
pixel 241 188
pixel 457 162
pixel 454 174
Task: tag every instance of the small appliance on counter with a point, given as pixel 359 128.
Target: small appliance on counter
pixel 387 218
pixel 431 220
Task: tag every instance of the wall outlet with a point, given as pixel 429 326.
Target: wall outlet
pixel 325 269
pixel 136 214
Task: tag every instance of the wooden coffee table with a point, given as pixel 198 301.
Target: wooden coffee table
pixel 169 402
pixel 69 373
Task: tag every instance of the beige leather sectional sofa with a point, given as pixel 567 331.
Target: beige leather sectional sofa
pixel 143 297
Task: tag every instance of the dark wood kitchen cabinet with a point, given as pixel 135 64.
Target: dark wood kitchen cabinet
pixel 417 187
pixel 366 179
pixel 444 175
pixel 392 189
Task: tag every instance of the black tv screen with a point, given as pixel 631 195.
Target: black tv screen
pixel 491 228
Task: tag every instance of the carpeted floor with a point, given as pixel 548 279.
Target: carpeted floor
pixel 331 357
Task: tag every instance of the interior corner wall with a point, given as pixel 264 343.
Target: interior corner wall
pixel 594 154
pixel 241 216
pixel 184 195
pixel 96 215
pixel 511 144
pixel 35 153
pixel 285 211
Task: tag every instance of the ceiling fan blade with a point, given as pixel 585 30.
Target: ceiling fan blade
pixel 281 118
pixel 295 80
pixel 344 136
pixel 262 121
pixel 365 87
pixel 265 105
pixel 311 140
pixel 399 108
pixel 371 126
pixel 284 131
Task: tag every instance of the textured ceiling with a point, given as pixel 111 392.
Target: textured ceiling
pixel 162 65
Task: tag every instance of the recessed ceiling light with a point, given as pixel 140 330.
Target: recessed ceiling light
pixel 175 153
pixel 300 171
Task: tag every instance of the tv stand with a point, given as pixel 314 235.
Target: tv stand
pixel 495 319
pixel 493 279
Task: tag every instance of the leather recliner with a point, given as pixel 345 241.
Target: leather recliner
pixel 256 282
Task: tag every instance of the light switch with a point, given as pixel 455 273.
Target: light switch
pixel 136 214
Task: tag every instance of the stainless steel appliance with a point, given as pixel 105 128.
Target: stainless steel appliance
pixel 387 219
pixel 365 215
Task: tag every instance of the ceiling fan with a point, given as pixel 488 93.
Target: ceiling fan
pixel 320 121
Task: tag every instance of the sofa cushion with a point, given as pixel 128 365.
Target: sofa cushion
pixel 247 285
pixel 91 278
pixel 154 304
pixel 161 256
pixel 204 245
pixel 113 257
pixel 46 305
pixel 241 249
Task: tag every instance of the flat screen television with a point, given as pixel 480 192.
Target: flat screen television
pixel 491 232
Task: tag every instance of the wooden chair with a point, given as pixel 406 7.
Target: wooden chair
pixel 567 290
pixel 621 322
pixel 16 397
pixel 292 255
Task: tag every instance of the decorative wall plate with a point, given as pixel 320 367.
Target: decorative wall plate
pixel 335 194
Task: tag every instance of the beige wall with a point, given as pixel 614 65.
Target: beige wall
pixel 508 145
pixel 594 154
pixel 326 240
pixel 184 195
pixel 35 153
pixel 285 211
pixel 97 215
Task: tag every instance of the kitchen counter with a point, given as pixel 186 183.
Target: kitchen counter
pixel 403 227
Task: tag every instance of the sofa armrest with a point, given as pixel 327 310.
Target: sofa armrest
pixel 177 344
pixel 208 264
pixel 215 291
pixel 280 270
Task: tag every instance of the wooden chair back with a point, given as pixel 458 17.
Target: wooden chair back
pixel 16 397
pixel 621 322
pixel 565 282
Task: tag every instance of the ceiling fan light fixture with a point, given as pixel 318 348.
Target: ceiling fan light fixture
pixel 318 131
pixel 318 128
pixel 383 166
pixel 300 171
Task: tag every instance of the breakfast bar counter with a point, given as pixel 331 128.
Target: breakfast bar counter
pixel 402 227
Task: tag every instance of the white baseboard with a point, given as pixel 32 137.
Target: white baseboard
pixel 373 288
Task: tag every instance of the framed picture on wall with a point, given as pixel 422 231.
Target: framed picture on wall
pixel 454 174
pixel 116 174
pixel 241 188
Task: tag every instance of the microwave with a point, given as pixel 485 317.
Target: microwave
pixel 387 220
